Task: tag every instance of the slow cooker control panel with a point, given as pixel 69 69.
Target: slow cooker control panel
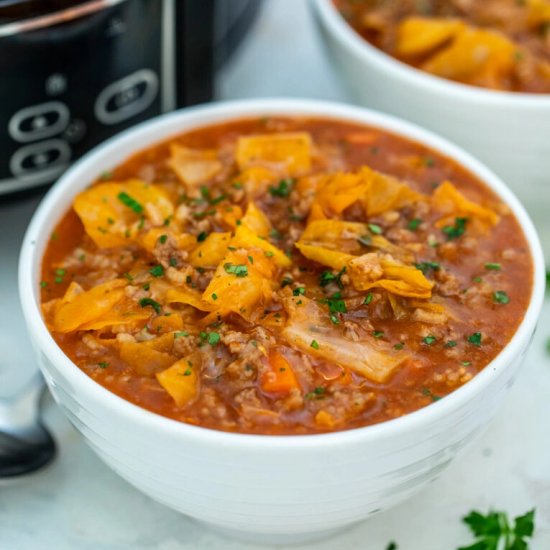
pixel 67 87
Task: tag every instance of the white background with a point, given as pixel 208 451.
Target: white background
pixel 79 503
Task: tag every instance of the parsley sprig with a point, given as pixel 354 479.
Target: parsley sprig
pixel 495 531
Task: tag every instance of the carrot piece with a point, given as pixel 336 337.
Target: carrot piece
pixel 280 378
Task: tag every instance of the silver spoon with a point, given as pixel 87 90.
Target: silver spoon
pixel 25 445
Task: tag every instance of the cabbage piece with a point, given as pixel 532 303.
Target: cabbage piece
pixel 453 204
pixel 421 35
pixel 386 193
pixel 287 153
pixel 372 358
pixel 143 358
pixel 476 54
pixel 334 242
pixel 181 380
pixel 244 238
pixel 256 220
pixel 336 192
pixel 101 306
pixel 211 251
pixel 382 271
pixel 113 213
pixel 241 283
pixel 194 167
pixel 188 296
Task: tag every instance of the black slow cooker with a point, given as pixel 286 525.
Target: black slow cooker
pixel 73 73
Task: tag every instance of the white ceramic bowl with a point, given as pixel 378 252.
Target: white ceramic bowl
pixel 290 486
pixel 510 132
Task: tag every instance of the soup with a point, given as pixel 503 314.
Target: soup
pixel 495 44
pixel 285 276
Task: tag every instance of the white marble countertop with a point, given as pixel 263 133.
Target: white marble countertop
pixel 77 502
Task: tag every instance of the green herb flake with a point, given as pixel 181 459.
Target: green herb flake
pixel 373 228
pixel 334 319
pixel 501 297
pixel 286 281
pixel 428 393
pixel 414 224
pixel 201 237
pixel 214 296
pixel 495 530
pixel 237 185
pixel 365 240
pixel 492 266
pixel 450 344
pixel 144 302
pixel 213 338
pixel 283 189
pixel 157 271
pixel 180 334
pixel 378 334
pixel 103 364
pixel 335 303
pixel 475 339
pixel 326 278
pixel 187 372
pixel 146 286
pixel 368 299
pixel 456 230
pixel 392 546
pixel 163 238
pixel 429 340
pixel 173 262
pixel 268 254
pixel 477 280
pixel 426 267
pixel 43 284
pixel 314 344
pixel 130 202
pixel 239 270
pixel 399 346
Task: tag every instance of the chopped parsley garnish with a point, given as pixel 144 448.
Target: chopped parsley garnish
pixel 173 262
pixel 335 303
pixel 495 530
pixel 399 346
pixel 429 161
pixel 428 393
pixel 368 299
pixel 268 254
pixel 146 286
pixel 466 363
pixel 475 339
pixel 391 546
pixel 328 277
pixel 239 270
pixel 201 237
pixel 286 281
pixel 425 267
pixel 334 319
pixel 237 185
pixel 376 229
pixel 317 393
pixel 314 344
pixel 163 239
pixel 43 284
pixel 214 296
pixel 274 234
pixel 299 291
pixel 157 271
pixel 456 230
pixel 477 280
pixel 450 344
pixel 500 297
pixel 283 189
pixel 144 302
pixel 180 334
pixel 414 224
pixel 103 364
pixel 378 333
pixel 130 202
pixel 213 338
pixel 187 372
pixel 128 276
pixel 365 240
pixel 491 266
pixel 429 340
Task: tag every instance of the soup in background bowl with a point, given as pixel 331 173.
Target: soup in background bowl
pixel 325 280
pixel 505 129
